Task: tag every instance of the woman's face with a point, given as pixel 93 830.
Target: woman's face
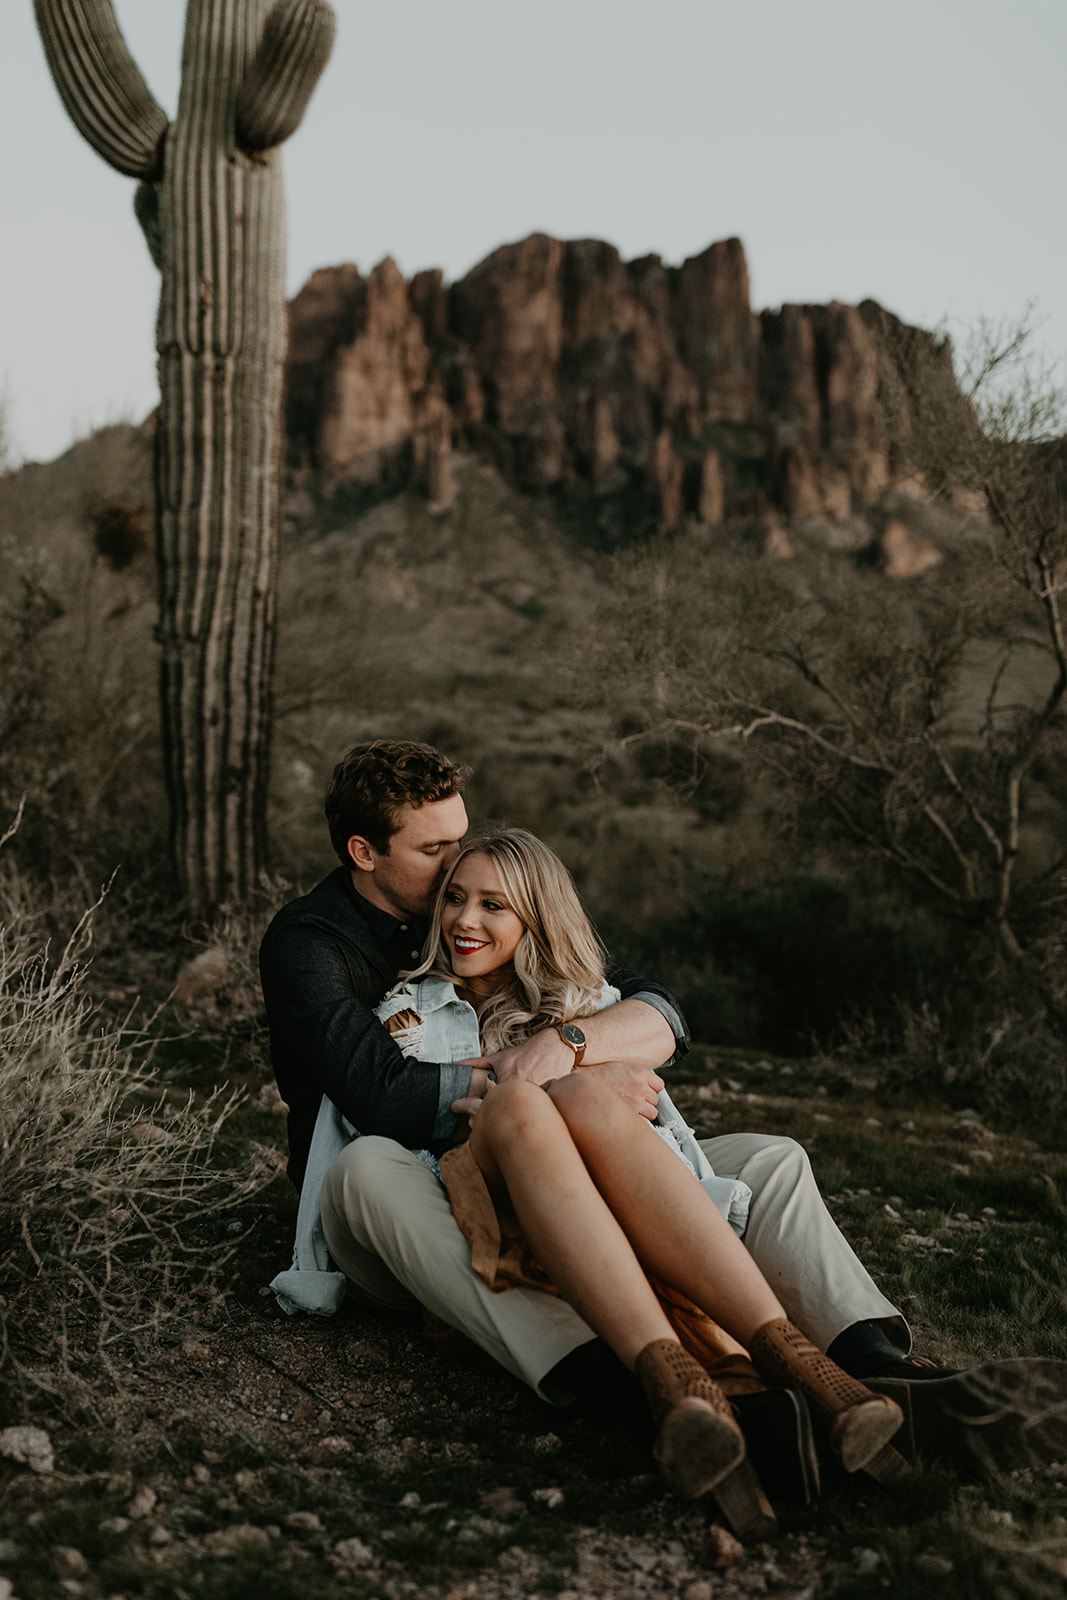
pixel 480 928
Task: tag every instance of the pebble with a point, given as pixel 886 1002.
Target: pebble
pixel 353 1553
pixel 70 1563
pixel 721 1549
pixel 700 1590
pixel 867 1560
pixel 142 1505
pixel 303 1522
pixel 549 1498
pixel 937 1566
pixel 235 1540
pixel 31 1447
pixel 502 1502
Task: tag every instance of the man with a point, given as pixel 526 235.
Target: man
pixel 396 817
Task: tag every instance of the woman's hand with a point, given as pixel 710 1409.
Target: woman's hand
pixel 470 1104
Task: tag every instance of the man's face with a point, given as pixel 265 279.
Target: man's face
pixel 404 881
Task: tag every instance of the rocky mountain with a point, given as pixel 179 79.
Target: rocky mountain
pixel 644 394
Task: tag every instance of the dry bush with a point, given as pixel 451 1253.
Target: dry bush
pixel 113 1202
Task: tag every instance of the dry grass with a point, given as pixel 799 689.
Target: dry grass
pixel 112 1199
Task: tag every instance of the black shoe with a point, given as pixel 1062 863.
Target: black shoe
pixel 780 1444
pixel 998 1418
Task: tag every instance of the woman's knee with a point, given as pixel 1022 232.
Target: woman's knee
pixel 516 1112
pixel 580 1096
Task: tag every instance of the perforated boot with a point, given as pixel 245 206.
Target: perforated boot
pixel 699 1447
pixel 856 1424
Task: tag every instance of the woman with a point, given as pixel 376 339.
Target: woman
pixel 603 1204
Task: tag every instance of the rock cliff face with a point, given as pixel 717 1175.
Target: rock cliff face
pixel 646 394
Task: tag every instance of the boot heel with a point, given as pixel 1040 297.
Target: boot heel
pixel 860 1434
pixel 700 1448
pixel 888 1466
pixel 697 1448
pixel 741 1500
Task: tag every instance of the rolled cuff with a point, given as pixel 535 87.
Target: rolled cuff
pixel 670 1016
pixel 454 1083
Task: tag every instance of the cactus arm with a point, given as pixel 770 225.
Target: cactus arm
pixel 101 85
pixel 294 49
pixel 146 210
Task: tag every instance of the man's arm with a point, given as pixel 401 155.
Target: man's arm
pixel 625 1043
pixel 326 1039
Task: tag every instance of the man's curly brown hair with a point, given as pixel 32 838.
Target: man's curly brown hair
pixel 373 782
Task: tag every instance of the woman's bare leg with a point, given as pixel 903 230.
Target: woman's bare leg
pixel 675 1228
pixel 522 1145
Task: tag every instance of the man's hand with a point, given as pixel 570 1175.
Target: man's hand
pixel 542 1058
pixel 639 1086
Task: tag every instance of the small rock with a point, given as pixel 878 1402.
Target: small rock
pixel 115 1525
pixel 201 978
pixel 303 1522
pixel 7 1591
pixel 547 1444
pixel 305 1411
pixel 551 1499
pixel 721 1549
pixel 937 1566
pixel 245 1480
pixel 867 1560
pixel 502 1502
pixel 411 1502
pixel 160 1536
pixel 70 1563
pixel 333 1445
pixel 242 1537
pixel 149 1133
pixel 700 1590
pixel 353 1553
pixel 31 1447
pixel 142 1505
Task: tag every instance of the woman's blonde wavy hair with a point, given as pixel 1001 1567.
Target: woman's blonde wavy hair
pixel 559 962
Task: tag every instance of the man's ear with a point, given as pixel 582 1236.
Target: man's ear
pixel 360 853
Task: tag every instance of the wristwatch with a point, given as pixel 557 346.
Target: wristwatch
pixel 574 1037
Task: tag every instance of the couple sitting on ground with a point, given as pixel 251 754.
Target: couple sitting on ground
pixel 581 1231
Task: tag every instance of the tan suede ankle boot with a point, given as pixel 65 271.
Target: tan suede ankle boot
pixel 699 1447
pixel 857 1424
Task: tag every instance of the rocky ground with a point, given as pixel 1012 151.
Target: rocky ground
pixel 240 1452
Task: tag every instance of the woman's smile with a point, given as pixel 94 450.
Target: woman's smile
pixel 480 928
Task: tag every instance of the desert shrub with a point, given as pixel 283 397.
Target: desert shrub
pixel 112 1200
pixel 785 963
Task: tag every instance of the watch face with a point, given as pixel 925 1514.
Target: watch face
pixel 573 1035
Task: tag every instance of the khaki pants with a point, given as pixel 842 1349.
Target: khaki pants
pixel 390 1229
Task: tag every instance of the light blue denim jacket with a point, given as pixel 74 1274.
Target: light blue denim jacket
pixel 447 1032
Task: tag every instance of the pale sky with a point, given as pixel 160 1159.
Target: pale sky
pixel 912 152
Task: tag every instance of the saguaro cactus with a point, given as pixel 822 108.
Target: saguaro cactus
pixel 211 204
